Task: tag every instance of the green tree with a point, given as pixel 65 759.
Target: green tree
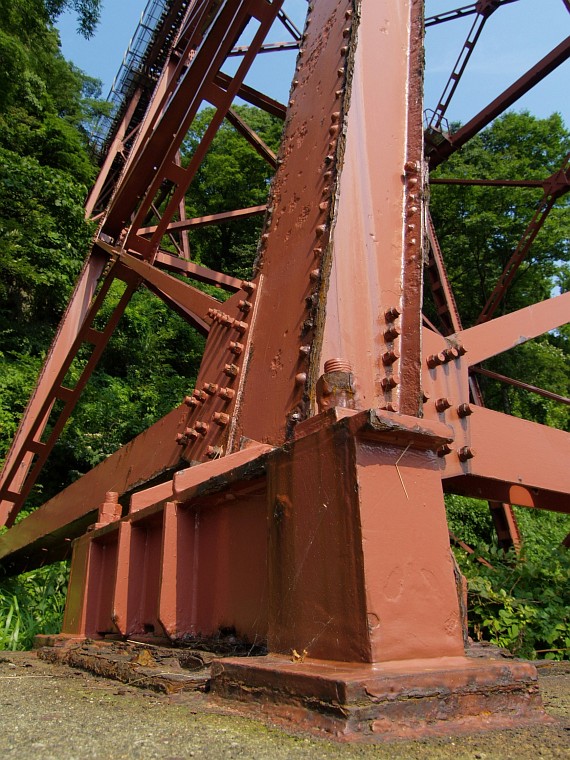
pixel 478 229
pixel 232 176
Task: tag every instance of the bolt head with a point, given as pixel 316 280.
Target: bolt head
pixel 442 404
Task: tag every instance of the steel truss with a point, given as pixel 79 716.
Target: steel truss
pixel 300 485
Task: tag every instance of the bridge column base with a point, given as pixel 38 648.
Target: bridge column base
pixel 388 700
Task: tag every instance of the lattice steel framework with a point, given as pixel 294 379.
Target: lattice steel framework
pixel 301 484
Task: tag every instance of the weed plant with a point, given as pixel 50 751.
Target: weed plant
pixel 521 603
pixel 30 604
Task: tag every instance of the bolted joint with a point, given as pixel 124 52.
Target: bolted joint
pixel 181 439
pixel 245 306
pixel 337 386
pixel 191 433
pixel 221 419
pixel 191 401
pixel 201 427
pixel 241 327
pixel 199 395
pixel 214 452
pixel 444 450
pixel 236 348
pixel 248 286
pixel 227 394
pixel 210 388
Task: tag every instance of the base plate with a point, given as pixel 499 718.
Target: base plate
pixel 404 699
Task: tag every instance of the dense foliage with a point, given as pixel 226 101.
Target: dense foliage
pixel 520 602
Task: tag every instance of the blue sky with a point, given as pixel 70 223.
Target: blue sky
pixel 515 37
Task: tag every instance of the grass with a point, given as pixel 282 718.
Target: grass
pixel 30 604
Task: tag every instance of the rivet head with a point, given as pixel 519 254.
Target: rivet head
pixel 340 71
pixel 434 360
pixel 464 410
pixel 324 206
pixel 442 404
pixel 320 230
pixel 305 351
pixel 231 370
pixel 465 453
pixel 390 357
pixel 391 314
pixel 315 274
pixel 450 354
pixel 227 393
pixel 391 333
pixel 301 378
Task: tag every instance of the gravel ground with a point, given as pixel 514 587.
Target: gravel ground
pixel 53 712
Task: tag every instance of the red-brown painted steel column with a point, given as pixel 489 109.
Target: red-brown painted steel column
pixel 340 302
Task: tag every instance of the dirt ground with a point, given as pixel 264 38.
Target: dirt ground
pixel 53 711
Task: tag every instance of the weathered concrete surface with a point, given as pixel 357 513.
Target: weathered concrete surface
pixel 55 712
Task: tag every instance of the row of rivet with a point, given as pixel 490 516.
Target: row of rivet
pixel 321 230
pixel 464 452
pixel 312 300
pixel 198 397
pixel 447 355
pixel 391 355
